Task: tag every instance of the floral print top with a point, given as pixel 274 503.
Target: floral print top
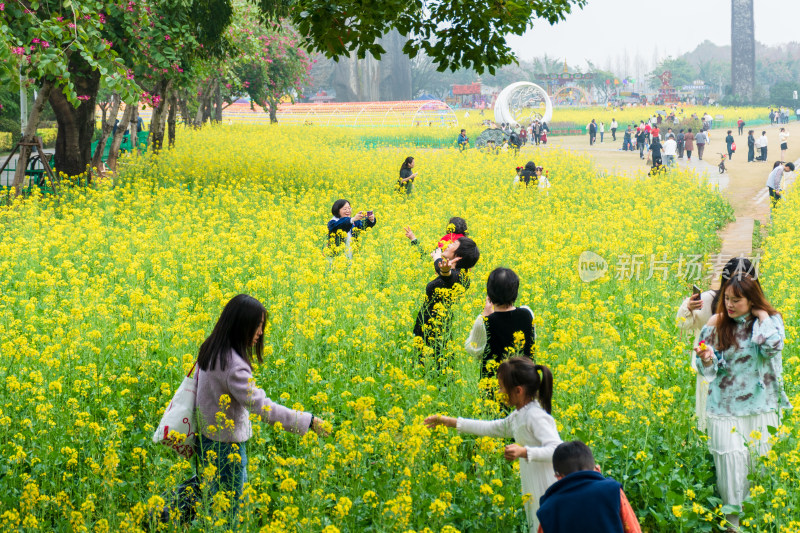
pixel 746 379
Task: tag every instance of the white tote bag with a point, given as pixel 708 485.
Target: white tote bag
pixel 179 419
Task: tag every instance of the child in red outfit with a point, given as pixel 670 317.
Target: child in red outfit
pixel 456 228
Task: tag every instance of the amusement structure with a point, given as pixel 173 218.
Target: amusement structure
pixel 568 88
pixel 522 103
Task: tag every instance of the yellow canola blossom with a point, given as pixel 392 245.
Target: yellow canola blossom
pixel 114 288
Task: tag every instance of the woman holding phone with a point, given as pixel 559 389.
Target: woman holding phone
pixel 740 355
pixel 694 313
pixel 345 227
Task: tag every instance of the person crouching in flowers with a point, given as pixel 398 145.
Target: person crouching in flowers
pixel 227 394
pixel 345 227
pixel 528 389
pixel 740 356
pixel 452 266
pixel 501 329
pixel 529 174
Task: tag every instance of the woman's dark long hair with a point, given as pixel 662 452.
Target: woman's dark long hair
pixel 743 286
pixel 407 163
pixel 521 371
pixel 235 329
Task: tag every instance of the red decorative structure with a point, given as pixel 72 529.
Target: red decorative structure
pixel 667 94
pixel 322 97
pixel 468 95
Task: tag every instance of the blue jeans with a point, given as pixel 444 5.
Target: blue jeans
pixel 231 474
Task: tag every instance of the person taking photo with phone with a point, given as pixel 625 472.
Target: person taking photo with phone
pixel 693 314
pixel 740 355
pixel 344 228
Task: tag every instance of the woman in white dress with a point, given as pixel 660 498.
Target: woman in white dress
pixel 529 389
pixel 740 355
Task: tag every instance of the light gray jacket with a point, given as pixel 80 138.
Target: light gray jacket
pixel 231 422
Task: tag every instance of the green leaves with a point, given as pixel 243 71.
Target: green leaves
pixel 454 33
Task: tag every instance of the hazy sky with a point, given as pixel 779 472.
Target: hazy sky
pixel 597 31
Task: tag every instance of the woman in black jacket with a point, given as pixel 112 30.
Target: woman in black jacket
pixel 751 146
pixel 407 176
pixel 655 149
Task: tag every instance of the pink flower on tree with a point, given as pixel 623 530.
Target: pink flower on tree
pixel 84 98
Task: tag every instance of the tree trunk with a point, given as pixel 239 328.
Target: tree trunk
pixel 218 101
pixel 173 104
pixel 29 134
pixel 273 110
pixel 135 125
pixel 184 108
pixel 108 126
pixel 76 124
pixel 198 118
pixel 743 50
pixel 104 108
pixel 113 153
pixel 207 106
pixel 163 89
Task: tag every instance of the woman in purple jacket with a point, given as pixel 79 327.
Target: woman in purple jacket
pixel 227 395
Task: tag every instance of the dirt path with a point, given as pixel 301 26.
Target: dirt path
pixel 743 185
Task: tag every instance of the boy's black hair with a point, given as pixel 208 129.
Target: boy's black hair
pixel 571 457
pixel 502 286
pixel 790 165
pixel 468 252
pixel 459 224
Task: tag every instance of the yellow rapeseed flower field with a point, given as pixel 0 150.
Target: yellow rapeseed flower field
pixel 106 294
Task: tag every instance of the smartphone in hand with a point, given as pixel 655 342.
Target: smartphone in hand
pixel 696 291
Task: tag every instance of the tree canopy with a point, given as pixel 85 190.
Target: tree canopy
pixel 453 33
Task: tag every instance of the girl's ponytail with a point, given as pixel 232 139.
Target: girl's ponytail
pixel 521 371
pixel 545 392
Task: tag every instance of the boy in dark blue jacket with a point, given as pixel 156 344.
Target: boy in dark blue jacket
pixel 582 500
